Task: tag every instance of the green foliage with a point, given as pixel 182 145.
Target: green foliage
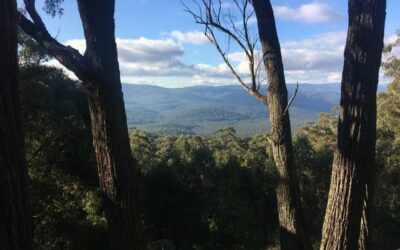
pixel 53 7
pixel 314 156
pixel 228 148
pixel 29 52
pixel 321 134
pixel 392 64
pixel 387 193
pixel 61 167
pixel 197 192
pixel 389 109
pixel 207 192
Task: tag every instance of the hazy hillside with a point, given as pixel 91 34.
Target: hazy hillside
pixel 201 110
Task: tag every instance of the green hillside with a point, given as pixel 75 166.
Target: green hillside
pixel 203 109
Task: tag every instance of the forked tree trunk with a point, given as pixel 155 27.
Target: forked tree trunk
pixel 292 230
pixel 109 126
pixel 354 158
pixel 15 207
pixel 99 72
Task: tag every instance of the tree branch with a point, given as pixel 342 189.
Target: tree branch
pixel 211 38
pixel 210 16
pixel 30 8
pixel 66 55
pixel 291 99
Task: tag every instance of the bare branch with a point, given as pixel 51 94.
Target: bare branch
pixel 211 37
pixel 291 99
pixel 209 15
pixel 245 18
pixel 212 21
pixel 269 141
pixel 258 73
pixel 232 22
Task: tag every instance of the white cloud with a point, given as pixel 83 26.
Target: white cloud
pixel 143 57
pixel 323 40
pixel 318 59
pixel 391 39
pixel 308 13
pixel 193 37
pixel 395 52
pixel 55 63
pixel 319 76
pixel 240 60
pixel 205 80
pixel 148 50
pixel 226 5
pixel 78 44
pixel 315 60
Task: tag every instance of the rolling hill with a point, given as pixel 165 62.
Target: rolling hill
pixel 203 109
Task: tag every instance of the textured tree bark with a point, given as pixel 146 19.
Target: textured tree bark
pixel 109 126
pixel 15 207
pixel 364 241
pixel 99 72
pixel 354 158
pixel 292 229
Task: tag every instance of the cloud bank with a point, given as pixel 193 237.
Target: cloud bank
pixel 308 13
pixel 311 13
pixel 143 60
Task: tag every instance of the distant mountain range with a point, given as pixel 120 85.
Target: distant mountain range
pixel 204 109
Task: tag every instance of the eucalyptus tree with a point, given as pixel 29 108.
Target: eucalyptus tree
pixel 15 207
pixel 98 70
pixel 353 171
pixel 234 23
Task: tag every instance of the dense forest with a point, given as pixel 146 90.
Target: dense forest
pixel 198 192
pixel 74 175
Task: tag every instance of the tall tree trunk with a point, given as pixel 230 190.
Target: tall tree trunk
pixel 109 126
pixel 15 207
pixel 99 72
pixel 354 157
pixel 292 230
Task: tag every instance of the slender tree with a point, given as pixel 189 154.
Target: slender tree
pixel 15 207
pixel 353 166
pixel 98 69
pixel 236 29
pixel 293 234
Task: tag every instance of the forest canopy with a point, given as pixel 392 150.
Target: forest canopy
pixel 74 173
pixel 221 187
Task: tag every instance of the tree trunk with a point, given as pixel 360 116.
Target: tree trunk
pixel 354 158
pixel 292 231
pixel 99 72
pixel 364 241
pixel 115 163
pixel 15 207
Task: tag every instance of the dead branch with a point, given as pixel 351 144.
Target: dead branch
pixel 210 15
pixel 291 99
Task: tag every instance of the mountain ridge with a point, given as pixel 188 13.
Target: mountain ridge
pixel 203 109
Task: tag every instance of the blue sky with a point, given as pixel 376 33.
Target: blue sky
pixel 160 44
